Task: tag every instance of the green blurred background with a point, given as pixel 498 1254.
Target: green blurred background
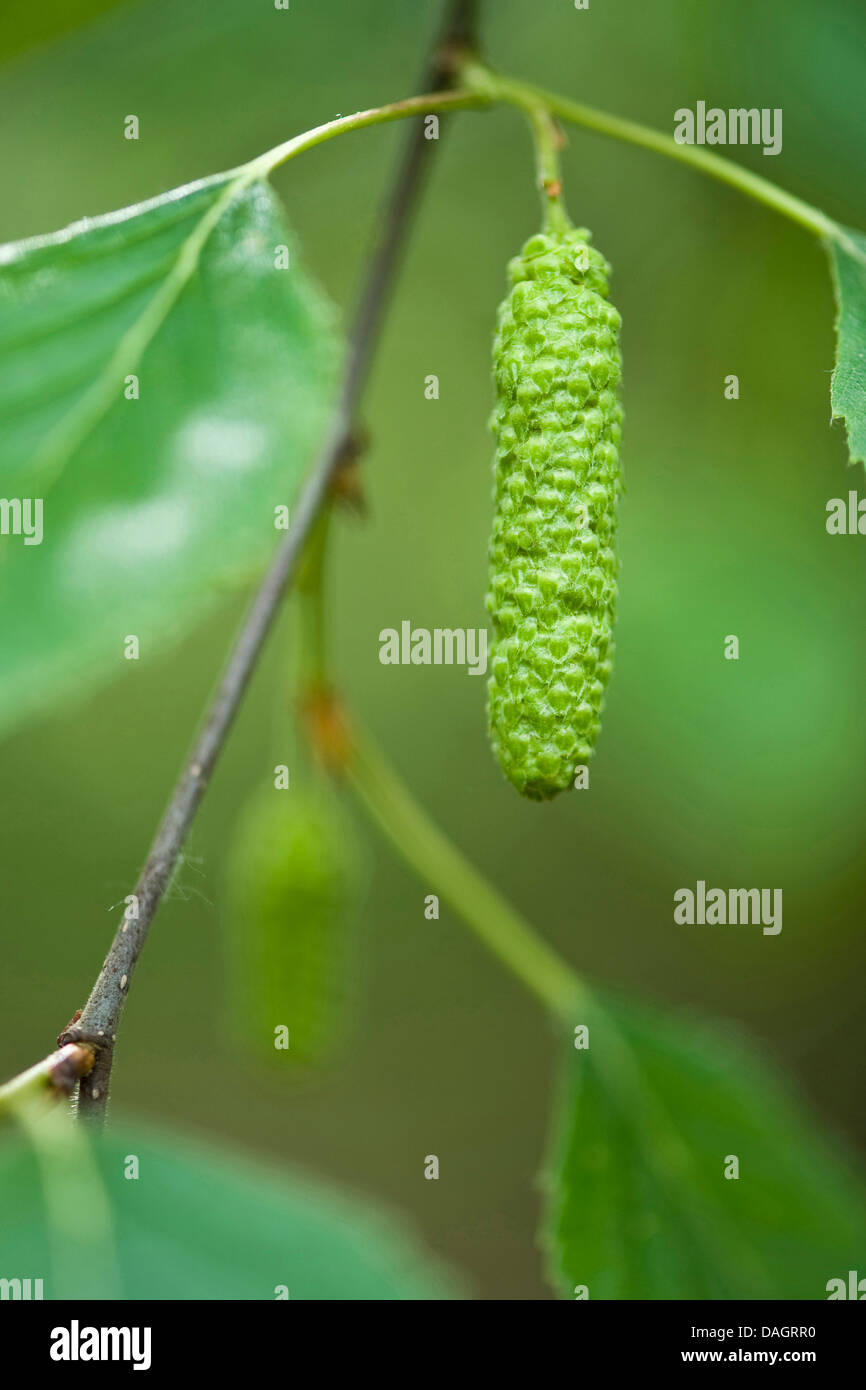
pixel 743 773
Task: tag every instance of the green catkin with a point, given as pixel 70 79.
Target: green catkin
pixel 290 888
pixel 552 588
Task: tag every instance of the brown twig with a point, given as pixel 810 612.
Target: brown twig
pixel 99 1020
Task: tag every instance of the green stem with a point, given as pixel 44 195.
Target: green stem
pixel 263 164
pixel 53 1077
pixel 524 95
pixel 438 862
pixel 546 136
pixel 30 1085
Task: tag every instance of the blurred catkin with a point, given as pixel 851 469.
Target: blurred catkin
pixel 291 880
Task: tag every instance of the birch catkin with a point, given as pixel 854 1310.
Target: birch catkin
pixel 552 588
pixel 291 884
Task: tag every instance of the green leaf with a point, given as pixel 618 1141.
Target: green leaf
pixel 151 506
pixel 204 1224
pixel 639 1207
pixel 848 388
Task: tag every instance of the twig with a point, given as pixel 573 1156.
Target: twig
pixel 99 1020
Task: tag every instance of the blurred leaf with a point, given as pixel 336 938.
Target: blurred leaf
pixel 200 1223
pixel 150 504
pixel 292 887
pixel 79 1238
pixel 639 1205
pixel 25 24
pixel 848 387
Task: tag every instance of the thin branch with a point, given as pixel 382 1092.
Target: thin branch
pixel 100 1017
